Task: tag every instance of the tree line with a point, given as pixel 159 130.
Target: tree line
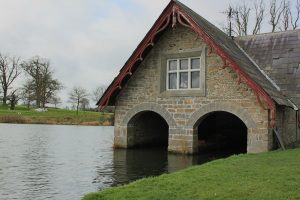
pixel 79 96
pixel 40 86
pixel 244 18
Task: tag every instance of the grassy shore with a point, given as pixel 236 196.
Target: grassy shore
pixel 22 115
pixel 266 176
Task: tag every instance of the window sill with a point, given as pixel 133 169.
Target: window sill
pixel 182 93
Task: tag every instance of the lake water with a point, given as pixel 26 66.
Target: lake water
pixel 65 162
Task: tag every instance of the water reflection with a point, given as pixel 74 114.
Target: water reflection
pixel 133 164
pixel 65 162
pixel 52 162
pixel 37 170
pixel 177 162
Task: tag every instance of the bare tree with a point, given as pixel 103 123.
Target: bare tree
pixel 77 96
pixel 9 71
pixel 27 93
pixel 286 15
pixel 238 18
pixel 234 21
pixel 294 21
pixel 259 15
pixel 237 22
pixel 14 97
pixel 41 79
pixel 282 16
pixel 98 92
pixel 55 100
pixel 276 10
pixel 85 103
pixel 244 11
pixel 228 27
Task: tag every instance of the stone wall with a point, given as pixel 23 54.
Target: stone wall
pixel 287 125
pixel 182 111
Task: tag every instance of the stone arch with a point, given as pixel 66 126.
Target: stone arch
pixel 218 106
pixel 149 107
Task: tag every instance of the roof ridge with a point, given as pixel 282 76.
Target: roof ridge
pixel 202 18
pixel 269 33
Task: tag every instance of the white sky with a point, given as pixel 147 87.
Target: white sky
pixel 87 41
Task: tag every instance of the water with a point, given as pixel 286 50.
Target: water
pixel 65 162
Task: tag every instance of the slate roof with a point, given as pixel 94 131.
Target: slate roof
pixel 278 54
pixel 229 46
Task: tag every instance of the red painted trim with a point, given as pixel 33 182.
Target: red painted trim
pixel 175 12
pixel 161 23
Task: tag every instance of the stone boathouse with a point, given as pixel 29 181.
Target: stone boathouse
pixel 189 86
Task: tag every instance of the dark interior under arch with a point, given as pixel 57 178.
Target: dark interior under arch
pixel 148 129
pixel 222 132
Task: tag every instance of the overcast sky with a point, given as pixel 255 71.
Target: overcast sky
pixel 87 41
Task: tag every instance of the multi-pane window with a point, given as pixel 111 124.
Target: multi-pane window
pixel 183 73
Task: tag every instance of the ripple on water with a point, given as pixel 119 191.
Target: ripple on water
pixel 65 162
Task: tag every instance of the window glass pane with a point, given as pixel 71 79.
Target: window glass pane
pixel 172 65
pixel 184 64
pixel 195 76
pixel 172 80
pixel 183 80
pixel 195 63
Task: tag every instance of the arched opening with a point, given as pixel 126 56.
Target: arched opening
pixel 223 133
pixel 147 129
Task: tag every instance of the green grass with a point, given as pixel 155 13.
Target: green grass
pixel 266 176
pixel 54 116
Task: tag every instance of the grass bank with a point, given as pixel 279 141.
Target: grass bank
pixel 22 115
pixel 267 176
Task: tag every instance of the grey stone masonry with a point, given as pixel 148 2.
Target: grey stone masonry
pixel 183 110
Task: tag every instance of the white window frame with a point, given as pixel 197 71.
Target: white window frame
pixel 178 71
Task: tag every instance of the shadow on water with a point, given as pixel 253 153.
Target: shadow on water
pixel 133 164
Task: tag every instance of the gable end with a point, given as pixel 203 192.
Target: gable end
pixel 175 13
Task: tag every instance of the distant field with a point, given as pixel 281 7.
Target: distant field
pixel 54 116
